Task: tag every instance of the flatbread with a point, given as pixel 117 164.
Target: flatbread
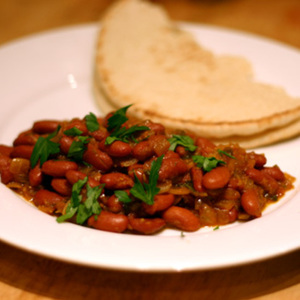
pixel 271 136
pixel 144 59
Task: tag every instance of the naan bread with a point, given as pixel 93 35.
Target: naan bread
pixel 144 59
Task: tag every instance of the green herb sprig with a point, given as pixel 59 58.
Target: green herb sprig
pixel 91 122
pixel 206 163
pixel 118 132
pixel 144 191
pixel 222 152
pixel 182 140
pixel 83 209
pixel 78 148
pixel 43 148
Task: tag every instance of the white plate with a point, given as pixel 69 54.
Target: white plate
pixel 50 76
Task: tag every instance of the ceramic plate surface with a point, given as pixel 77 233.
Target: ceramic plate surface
pixel 49 76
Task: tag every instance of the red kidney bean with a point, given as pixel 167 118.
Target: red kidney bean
pixel 250 203
pixel 26 138
pixel 5 150
pixel 172 154
pixel 116 149
pixel 159 144
pixel 35 176
pixel 65 144
pixel 264 180
pixel 146 226
pixel 61 186
pixel 116 181
pixel 181 218
pixel 260 159
pixel 79 124
pixel 114 205
pixel 138 171
pixel 197 176
pixel 161 202
pixel 109 221
pixel 45 126
pixel 47 198
pixel 274 172
pixel 22 151
pixel 204 145
pixel 270 184
pixel 172 168
pixel 58 168
pixel 100 134
pixel 157 128
pixel 142 150
pixel 97 158
pixel 181 151
pixel 256 175
pixel 74 175
pixel 216 178
pixel 6 175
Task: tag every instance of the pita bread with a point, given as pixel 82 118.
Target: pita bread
pixel 144 59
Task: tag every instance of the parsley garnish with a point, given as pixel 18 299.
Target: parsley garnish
pixel 147 191
pixel 74 202
pixel 206 163
pixel 225 153
pixel 144 191
pixel 43 148
pixel 91 121
pixel 77 148
pixel 90 206
pixel 83 209
pixel 123 134
pixel 74 131
pixel 118 132
pixel 122 196
pixel 117 119
pixel 182 140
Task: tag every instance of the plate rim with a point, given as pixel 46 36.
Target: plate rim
pixel 92 28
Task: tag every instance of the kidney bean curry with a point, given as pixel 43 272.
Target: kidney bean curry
pixel 122 175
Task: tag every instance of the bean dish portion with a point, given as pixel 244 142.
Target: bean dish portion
pixel 122 175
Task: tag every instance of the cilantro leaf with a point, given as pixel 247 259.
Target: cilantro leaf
pixel 77 148
pixel 147 191
pixel 43 148
pixel 221 152
pixel 118 118
pixel 91 121
pixel 83 209
pixel 74 131
pixel 182 140
pixel 70 212
pixel 76 191
pixel 90 206
pixel 206 163
pixel 75 200
pixel 123 134
pixel 122 196
pixel 118 132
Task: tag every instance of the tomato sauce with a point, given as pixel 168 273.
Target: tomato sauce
pixel 130 176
